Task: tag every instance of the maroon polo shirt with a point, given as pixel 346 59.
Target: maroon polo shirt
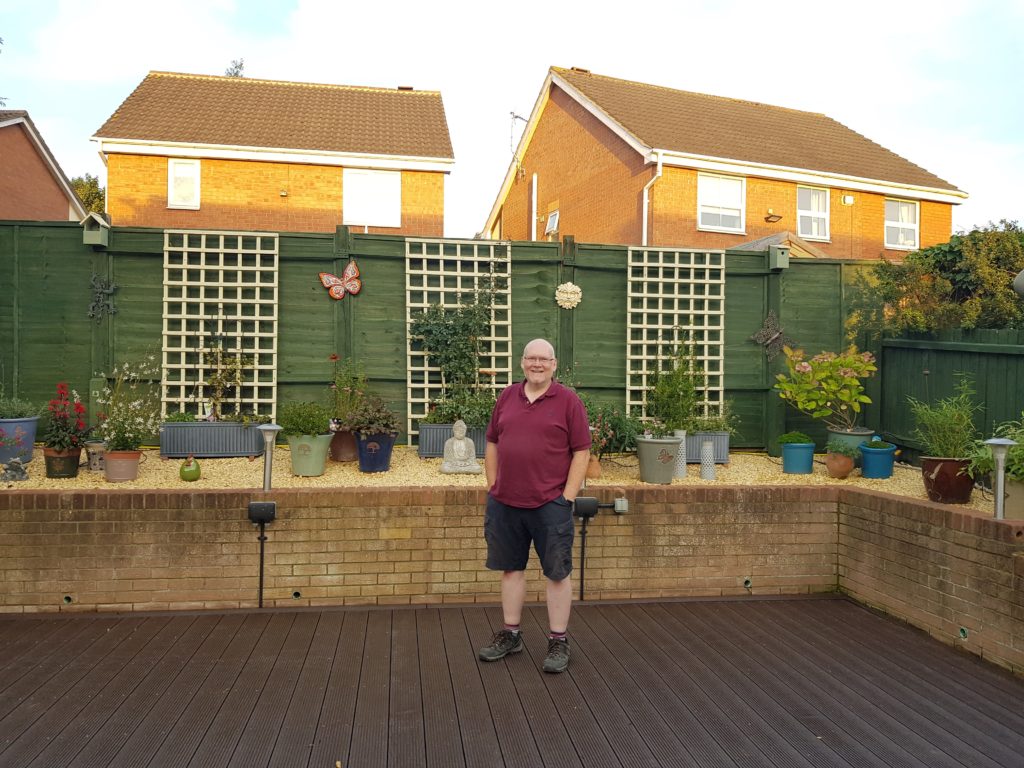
pixel 536 442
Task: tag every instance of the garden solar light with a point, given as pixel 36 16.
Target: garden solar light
pixel 1000 446
pixel 269 432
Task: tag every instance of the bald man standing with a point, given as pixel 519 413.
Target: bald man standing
pixel 538 446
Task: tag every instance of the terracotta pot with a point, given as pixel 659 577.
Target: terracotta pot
pixel 121 466
pixel 593 468
pixel 62 463
pixel 343 446
pixel 838 465
pixel 944 482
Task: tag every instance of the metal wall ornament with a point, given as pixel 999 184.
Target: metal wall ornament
pixel 349 282
pixel 772 336
pixel 102 298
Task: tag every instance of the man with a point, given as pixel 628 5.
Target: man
pixel 535 459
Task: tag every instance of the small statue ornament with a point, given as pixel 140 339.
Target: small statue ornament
pixel 189 471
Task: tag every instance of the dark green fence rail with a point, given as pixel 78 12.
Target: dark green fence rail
pixel 45 294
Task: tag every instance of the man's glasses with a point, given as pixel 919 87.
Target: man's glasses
pixel 538 360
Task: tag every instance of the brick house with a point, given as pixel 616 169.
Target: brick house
pixel 204 152
pixel 614 161
pixel 32 185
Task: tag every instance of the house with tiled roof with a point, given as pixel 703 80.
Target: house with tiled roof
pixel 613 161
pixel 204 152
pixel 32 185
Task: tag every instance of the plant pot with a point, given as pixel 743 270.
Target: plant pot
pixel 657 458
pixel 944 481
pixel 839 465
pixel 94 453
pixel 719 440
pixel 62 463
pixel 210 439
pixel 798 458
pixel 1013 505
pixel 593 468
pixel 22 433
pixel 309 454
pixel 853 437
pixel 343 446
pixel 876 463
pixel 121 466
pixel 432 437
pixel 374 452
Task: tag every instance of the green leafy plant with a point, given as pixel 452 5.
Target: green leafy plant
pixel 348 389
pixel 227 375
pixel 472 406
pixel 675 394
pixel 304 418
pixel 842 448
pixel 16 408
pixel 131 412
pixel 373 417
pixel 876 445
pixel 981 458
pixel 946 428
pixel 827 386
pixel 179 417
pixel 613 430
pixel 68 427
pixel 722 419
pixel 794 437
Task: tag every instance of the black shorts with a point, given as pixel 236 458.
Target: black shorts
pixel 509 531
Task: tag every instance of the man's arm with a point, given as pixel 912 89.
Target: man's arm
pixel 491 463
pixel 577 471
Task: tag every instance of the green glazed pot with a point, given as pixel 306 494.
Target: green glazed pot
pixel 309 454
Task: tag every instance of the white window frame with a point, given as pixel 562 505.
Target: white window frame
pixel 705 205
pixel 173 163
pixel 371 198
pixel 552 225
pixel 914 227
pixel 810 213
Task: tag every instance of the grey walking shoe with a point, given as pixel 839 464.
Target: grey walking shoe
pixel 558 655
pixel 502 644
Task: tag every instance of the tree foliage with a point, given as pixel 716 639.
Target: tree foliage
pixel 236 68
pixel 90 192
pixel 965 283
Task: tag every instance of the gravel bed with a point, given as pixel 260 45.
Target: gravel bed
pixel 407 469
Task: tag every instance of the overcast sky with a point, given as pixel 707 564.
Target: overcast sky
pixel 940 83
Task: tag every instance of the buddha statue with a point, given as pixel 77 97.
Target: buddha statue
pixel 460 453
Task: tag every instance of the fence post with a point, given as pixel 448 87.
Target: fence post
pixel 566 317
pixel 775 406
pixel 343 320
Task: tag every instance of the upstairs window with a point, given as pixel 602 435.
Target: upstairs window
pixel 183 184
pixel 812 212
pixel 901 224
pixel 721 202
pixel 371 198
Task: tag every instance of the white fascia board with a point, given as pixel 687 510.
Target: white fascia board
pixel 273 155
pixel 51 162
pixel 806 176
pixel 531 127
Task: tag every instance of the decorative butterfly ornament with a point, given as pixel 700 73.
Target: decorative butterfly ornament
pixel 349 282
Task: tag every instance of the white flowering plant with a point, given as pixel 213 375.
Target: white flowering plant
pixel 131 407
pixel 568 295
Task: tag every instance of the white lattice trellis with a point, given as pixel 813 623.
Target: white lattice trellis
pixel 442 272
pixel 675 297
pixel 220 289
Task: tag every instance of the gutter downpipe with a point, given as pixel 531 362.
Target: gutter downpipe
pixel 646 203
pixel 533 207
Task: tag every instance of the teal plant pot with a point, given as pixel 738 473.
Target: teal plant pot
pixel 798 458
pixel 309 454
pixel 19 438
pixel 876 463
pixel 374 452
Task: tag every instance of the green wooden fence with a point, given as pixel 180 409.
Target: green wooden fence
pixel 46 276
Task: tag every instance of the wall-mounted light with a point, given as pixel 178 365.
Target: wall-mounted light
pixel 771 217
pixel 284 193
pixel 847 199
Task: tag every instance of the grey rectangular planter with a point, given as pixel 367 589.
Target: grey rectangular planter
pixel 719 439
pixel 210 439
pixel 433 437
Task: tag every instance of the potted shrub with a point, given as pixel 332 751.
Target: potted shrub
pixel 839 458
pixel 65 433
pixel 657 449
pixel 946 432
pixel 718 425
pixel 877 459
pixel 19 421
pixel 131 416
pixel 982 463
pixel 797 453
pixel 829 387
pixel 451 336
pixel 306 425
pixel 218 427
pixel 348 388
pixel 612 430
pixel 376 427
pixel 674 397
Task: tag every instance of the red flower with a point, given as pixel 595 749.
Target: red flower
pixel 333 358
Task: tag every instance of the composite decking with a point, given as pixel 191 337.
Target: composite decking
pixel 804 682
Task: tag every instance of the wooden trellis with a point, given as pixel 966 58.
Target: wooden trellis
pixel 443 272
pixel 675 297
pixel 219 289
